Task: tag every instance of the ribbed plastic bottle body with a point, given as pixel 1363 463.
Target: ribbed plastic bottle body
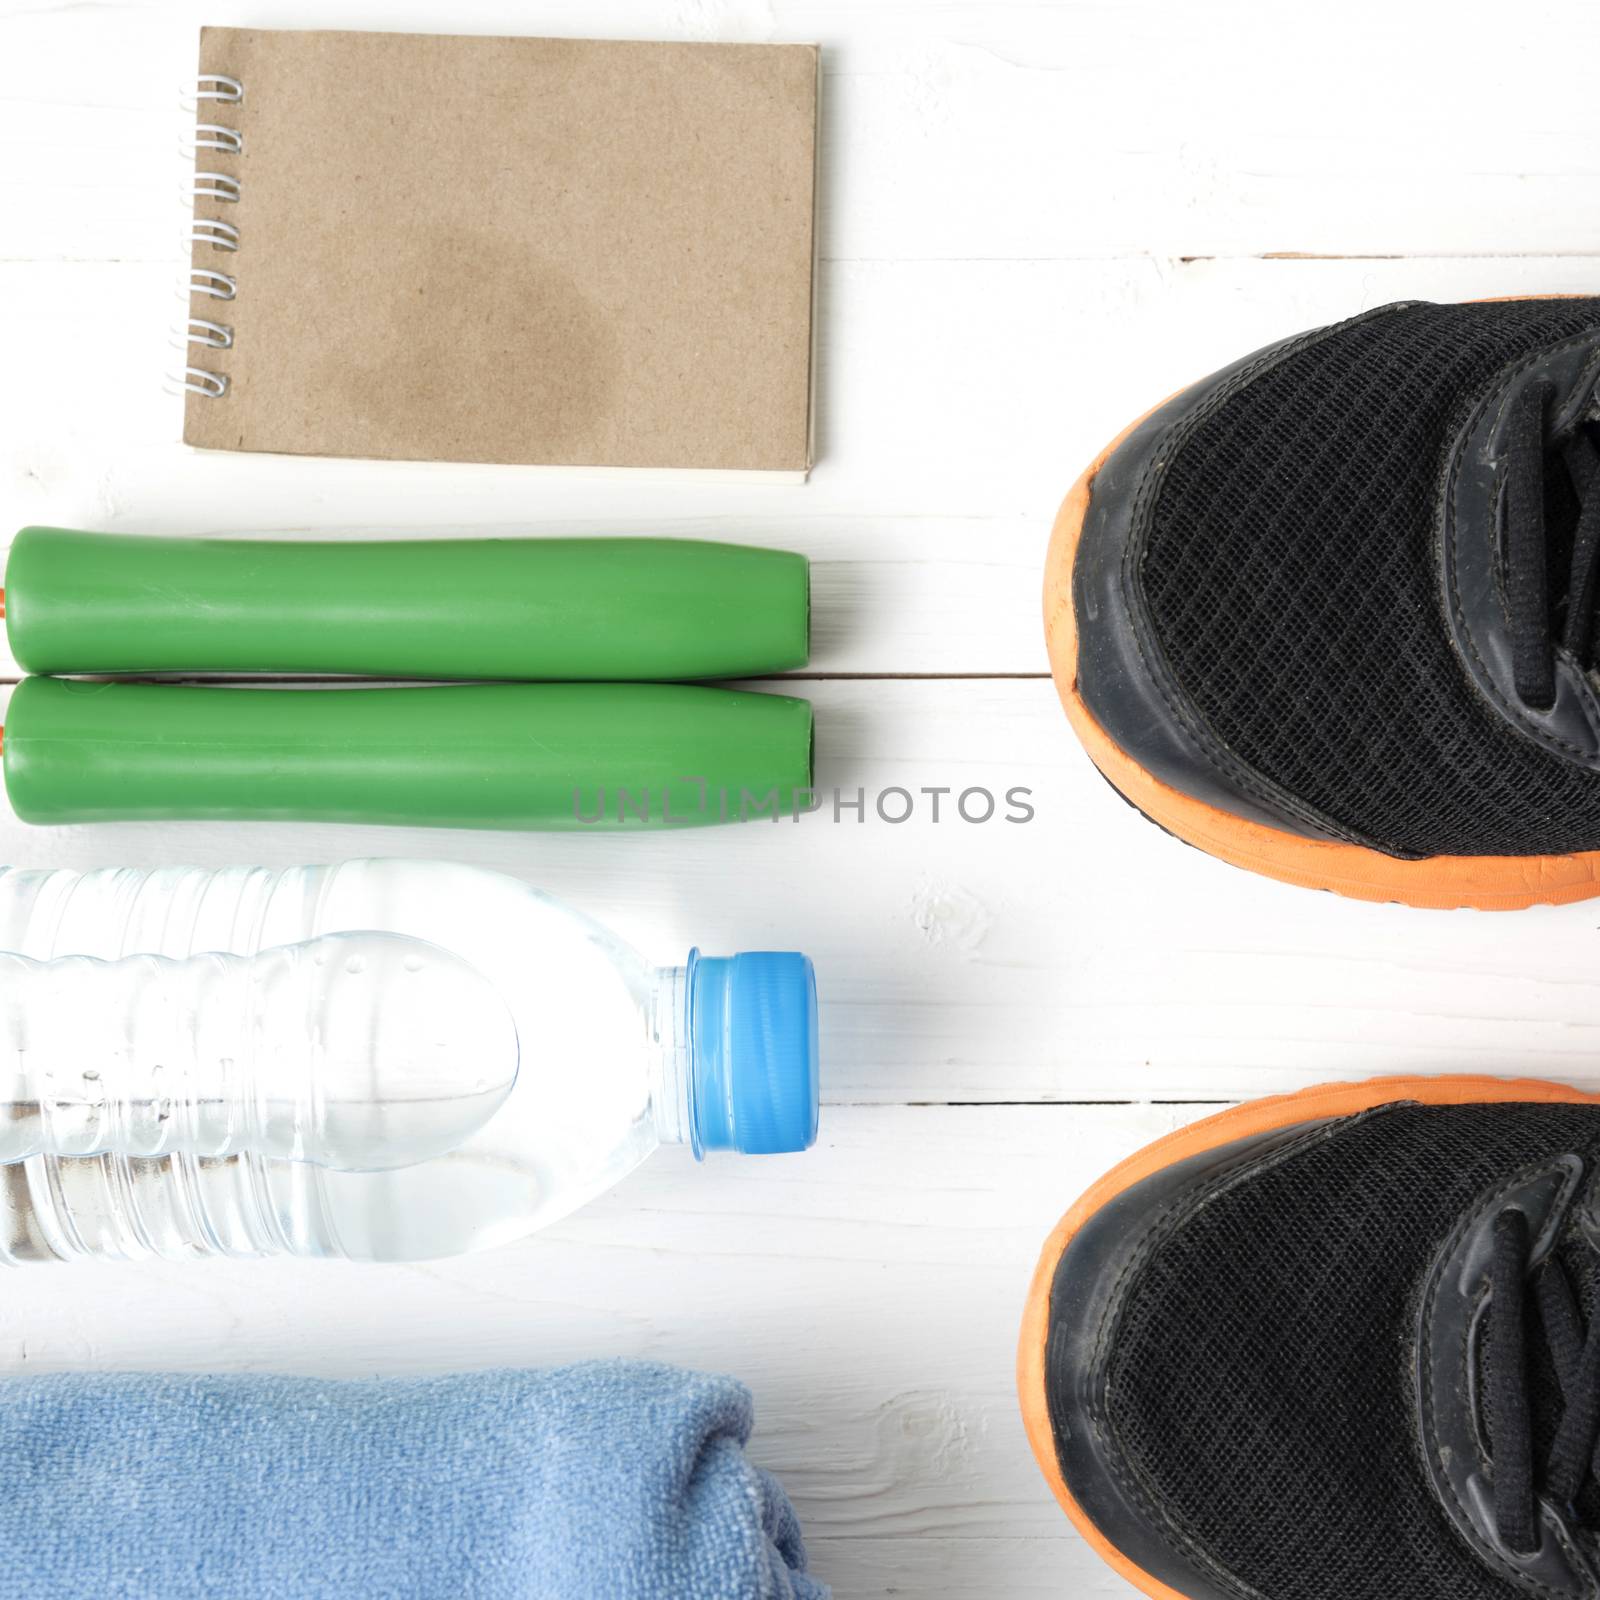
pixel 578 1115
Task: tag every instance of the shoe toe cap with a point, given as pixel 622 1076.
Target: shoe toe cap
pixel 1108 661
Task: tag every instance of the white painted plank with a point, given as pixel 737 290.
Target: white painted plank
pixel 1081 956
pixel 962 130
pixel 959 400
pixel 869 1293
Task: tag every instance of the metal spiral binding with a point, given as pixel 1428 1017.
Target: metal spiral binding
pixel 212 136
pixel 213 335
pixel 220 235
pixel 213 86
pixel 216 284
pixel 219 188
pixel 196 380
pixel 213 186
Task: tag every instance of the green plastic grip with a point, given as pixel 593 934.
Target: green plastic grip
pixel 558 756
pixel 560 609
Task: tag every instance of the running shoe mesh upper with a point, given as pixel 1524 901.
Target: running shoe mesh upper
pixel 1292 577
pixel 1261 1379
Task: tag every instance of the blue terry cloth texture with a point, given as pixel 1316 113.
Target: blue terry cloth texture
pixel 605 1481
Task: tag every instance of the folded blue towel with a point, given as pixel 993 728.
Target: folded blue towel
pixel 606 1481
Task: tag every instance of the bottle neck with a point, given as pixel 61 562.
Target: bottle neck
pixel 671 1051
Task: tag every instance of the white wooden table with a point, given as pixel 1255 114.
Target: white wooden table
pixel 1039 216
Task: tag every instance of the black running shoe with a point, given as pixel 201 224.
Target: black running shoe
pixel 1331 613
pixel 1343 1345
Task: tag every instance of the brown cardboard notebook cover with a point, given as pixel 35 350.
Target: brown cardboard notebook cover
pixel 520 250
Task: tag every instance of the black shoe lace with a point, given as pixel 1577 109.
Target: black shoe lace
pixel 1531 454
pixel 1508 1411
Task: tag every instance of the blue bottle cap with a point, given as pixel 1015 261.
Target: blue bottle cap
pixel 753 1032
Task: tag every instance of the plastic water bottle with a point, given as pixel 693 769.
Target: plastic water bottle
pixel 383 1060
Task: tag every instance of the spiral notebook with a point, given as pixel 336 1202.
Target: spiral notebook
pixel 564 252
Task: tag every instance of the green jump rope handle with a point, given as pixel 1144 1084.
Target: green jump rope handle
pixel 558 756
pixel 561 609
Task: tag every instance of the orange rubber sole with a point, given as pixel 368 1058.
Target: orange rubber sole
pixel 1256 1118
pixel 1483 883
